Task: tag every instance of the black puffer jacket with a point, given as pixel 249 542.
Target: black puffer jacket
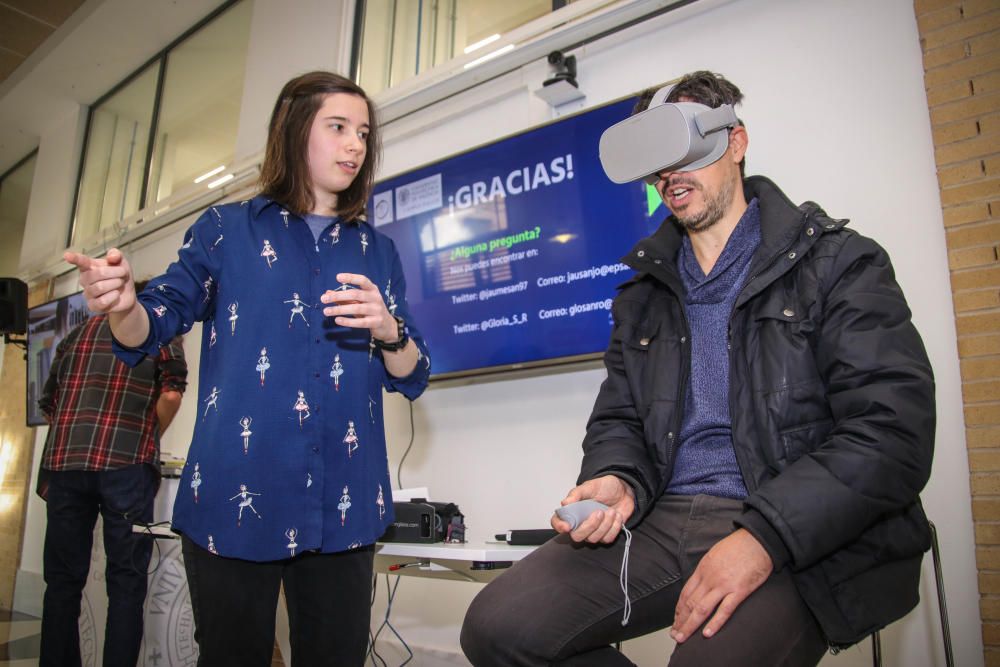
pixel 831 399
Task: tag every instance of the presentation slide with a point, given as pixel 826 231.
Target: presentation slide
pixel 512 250
pixel 48 324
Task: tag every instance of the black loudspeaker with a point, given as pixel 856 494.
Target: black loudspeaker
pixel 13 306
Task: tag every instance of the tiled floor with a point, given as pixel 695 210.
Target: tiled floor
pixel 20 639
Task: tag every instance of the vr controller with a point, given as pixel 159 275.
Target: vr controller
pixel 576 513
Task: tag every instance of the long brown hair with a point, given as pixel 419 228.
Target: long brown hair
pixel 284 176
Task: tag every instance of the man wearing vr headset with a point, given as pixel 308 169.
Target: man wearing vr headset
pixel 764 431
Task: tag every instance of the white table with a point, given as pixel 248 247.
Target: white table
pixel 471 561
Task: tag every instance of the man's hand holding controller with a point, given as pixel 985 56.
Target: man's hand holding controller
pixel 109 289
pixel 607 504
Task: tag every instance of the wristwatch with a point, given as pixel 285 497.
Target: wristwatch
pixel 402 340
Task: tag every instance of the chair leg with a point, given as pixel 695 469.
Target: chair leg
pixel 949 656
pixel 876 650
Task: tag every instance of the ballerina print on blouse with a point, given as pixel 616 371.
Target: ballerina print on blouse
pixel 336 371
pixel 364 243
pixel 233 317
pixel 216 243
pixel 207 286
pixel 268 253
pixel 212 336
pixel 195 481
pixel 371 348
pixel 263 363
pixel 246 433
pixel 284 215
pixel 246 500
pixel 425 357
pixel 371 408
pixel 211 545
pixel 343 506
pixel 160 310
pixel 290 534
pixel 380 501
pixel 212 401
pixel 298 305
pixel 390 299
pixel 335 234
pixel 309 479
pixel 301 407
pixel 351 439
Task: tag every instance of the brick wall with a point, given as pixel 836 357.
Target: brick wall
pixel 960 40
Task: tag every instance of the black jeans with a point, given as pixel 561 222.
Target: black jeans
pixel 73 501
pixel 234 602
pixel 563 604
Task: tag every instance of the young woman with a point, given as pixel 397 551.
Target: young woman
pixel 280 259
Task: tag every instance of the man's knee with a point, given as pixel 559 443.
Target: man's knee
pixel 499 631
pixel 483 632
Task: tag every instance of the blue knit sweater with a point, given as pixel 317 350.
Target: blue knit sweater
pixel 705 461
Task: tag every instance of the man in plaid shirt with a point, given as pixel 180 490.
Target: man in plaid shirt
pixel 101 456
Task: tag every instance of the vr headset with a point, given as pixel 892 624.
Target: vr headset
pixel 680 136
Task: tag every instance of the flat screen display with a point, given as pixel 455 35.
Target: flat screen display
pixel 511 251
pixel 48 324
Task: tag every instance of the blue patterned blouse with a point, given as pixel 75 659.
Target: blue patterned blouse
pixel 288 452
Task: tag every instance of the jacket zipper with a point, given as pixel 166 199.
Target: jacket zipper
pixel 673 434
pixel 749 481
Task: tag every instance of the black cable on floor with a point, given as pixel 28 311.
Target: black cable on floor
pixel 391 595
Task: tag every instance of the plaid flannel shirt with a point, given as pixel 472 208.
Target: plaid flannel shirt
pixel 102 413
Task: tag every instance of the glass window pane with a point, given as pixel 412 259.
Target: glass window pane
pixel 402 38
pixel 478 20
pixel 15 191
pixel 116 156
pixel 200 107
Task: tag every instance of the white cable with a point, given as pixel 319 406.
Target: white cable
pixel 623 576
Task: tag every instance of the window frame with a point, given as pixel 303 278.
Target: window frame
pixel 160 60
pixel 17 165
pixel 591 22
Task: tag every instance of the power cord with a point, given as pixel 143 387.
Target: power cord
pixel 373 653
pixel 156 544
pixel 390 596
pixel 399 470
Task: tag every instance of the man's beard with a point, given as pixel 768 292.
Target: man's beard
pixel 715 208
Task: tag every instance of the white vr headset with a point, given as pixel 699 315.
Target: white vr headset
pixel 681 136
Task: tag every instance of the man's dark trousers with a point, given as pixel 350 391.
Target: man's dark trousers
pixel 74 499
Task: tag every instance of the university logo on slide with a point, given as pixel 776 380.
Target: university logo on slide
pixel 383 213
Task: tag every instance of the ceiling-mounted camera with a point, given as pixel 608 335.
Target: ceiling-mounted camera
pixel 561 87
pixel 565 69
